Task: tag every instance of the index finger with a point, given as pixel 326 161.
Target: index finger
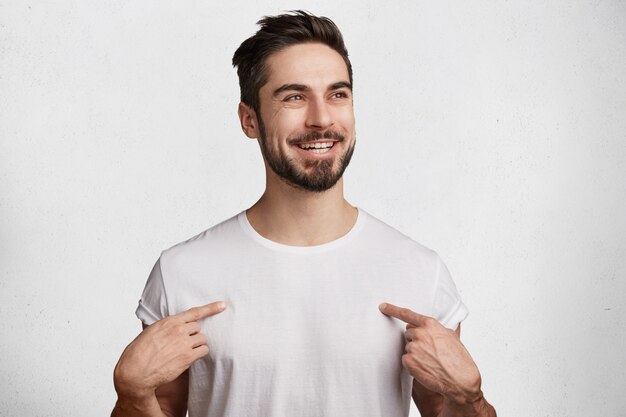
pixel 404 314
pixel 200 312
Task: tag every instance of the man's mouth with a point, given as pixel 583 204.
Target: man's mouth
pixel 317 147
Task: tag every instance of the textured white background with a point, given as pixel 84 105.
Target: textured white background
pixel 492 132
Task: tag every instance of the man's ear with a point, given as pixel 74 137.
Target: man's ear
pixel 248 120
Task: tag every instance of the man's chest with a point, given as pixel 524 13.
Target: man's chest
pixel 286 314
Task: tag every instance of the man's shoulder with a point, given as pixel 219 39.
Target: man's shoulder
pixel 391 238
pixel 215 236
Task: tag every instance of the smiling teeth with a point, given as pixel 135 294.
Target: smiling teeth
pixel 316 145
pixel 321 150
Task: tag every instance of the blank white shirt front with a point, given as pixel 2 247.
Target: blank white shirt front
pixel 302 334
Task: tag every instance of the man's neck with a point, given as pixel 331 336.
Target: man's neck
pixel 294 217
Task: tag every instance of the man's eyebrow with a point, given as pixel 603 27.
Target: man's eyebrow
pixel 341 84
pixel 302 87
pixel 290 87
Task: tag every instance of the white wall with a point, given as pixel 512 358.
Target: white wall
pixel 493 132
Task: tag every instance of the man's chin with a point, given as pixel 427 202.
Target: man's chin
pixel 312 189
pixel 311 185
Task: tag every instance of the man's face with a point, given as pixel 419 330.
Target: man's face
pixel 307 99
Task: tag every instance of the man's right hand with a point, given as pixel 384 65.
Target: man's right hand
pixel 162 352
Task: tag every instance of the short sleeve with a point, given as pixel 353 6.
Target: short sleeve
pixel 448 308
pixel 153 303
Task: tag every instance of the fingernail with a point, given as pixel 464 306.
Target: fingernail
pixel 382 306
pixel 221 305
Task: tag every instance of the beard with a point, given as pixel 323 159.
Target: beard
pixel 316 175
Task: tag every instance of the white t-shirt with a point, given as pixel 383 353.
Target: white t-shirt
pixel 302 334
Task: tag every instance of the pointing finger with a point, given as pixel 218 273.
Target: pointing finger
pixel 200 312
pixel 404 314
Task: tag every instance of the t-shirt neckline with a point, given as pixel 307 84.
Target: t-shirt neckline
pixel 280 247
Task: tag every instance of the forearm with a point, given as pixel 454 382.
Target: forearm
pixel 478 407
pixel 138 407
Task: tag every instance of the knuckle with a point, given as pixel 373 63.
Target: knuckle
pixel 429 321
pixel 200 351
pixel 193 313
pixel 188 358
pixel 406 360
pixel 168 321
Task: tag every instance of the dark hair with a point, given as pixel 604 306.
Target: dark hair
pixel 277 33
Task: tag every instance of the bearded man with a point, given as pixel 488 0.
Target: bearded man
pixel 315 307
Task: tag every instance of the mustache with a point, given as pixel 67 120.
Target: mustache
pixel 310 136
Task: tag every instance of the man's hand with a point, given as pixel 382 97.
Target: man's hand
pixel 162 352
pixel 436 358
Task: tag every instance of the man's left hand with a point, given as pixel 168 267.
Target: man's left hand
pixel 435 356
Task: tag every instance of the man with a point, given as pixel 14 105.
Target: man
pixel 295 323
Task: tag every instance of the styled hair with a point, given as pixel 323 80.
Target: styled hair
pixel 277 33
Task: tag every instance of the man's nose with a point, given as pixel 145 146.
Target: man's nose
pixel 319 115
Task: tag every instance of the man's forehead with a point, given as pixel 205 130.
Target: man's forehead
pixel 313 65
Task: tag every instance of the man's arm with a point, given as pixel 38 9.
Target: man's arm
pixel 432 404
pixel 168 400
pixel 151 377
pixel 437 359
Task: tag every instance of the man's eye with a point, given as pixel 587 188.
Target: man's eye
pixel 295 97
pixel 340 94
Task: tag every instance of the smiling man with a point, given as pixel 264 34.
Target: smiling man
pixel 303 304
